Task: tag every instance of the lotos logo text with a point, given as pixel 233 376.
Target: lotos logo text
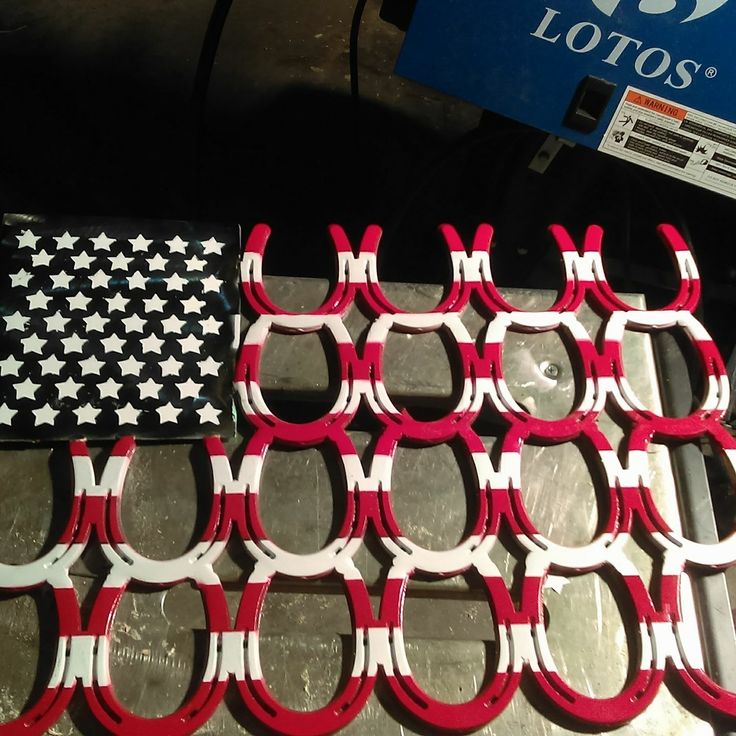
pixel 660 7
pixel 618 49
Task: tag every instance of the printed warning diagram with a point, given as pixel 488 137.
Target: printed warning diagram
pixel 675 140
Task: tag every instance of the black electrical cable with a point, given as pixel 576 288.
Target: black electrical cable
pixel 210 44
pixel 354 37
pixel 459 147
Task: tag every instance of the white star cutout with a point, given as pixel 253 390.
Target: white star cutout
pixel 45 415
pixel 100 280
pixel 131 367
pixel 20 279
pixel 134 323
pixel 127 414
pixel 117 303
pixel 73 344
pixel 211 284
pixel 102 242
pixel 192 305
pixel 154 304
pixel 157 263
pixel 189 389
pixel 86 414
pixel 210 326
pixel 175 283
pixel 68 389
pixel 173 324
pixel 95 323
pixel 90 365
pixel 65 241
pixel 168 413
pixel 113 344
pixel 10 366
pixel 50 365
pixel 78 301
pixel 109 389
pixel 119 262
pixel 7 414
pixel 152 344
pixel 62 280
pixel 41 259
pixel 149 389
pixel 140 243
pixel 177 245
pixel 212 246
pixel 195 264
pixel 56 323
pixel 28 239
pixel 33 344
pixel 39 300
pixel 190 344
pixel 26 390
pixel 209 367
pixel 171 366
pixel 208 414
pixel 15 321
pixel 137 281
pixel 83 261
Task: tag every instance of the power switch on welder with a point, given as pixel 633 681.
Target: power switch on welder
pixel 589 104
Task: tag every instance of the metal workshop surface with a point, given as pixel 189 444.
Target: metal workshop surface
pixel 159 636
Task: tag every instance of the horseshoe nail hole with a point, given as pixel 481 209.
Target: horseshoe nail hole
pixel 527 361
pixel 420 375
pixel 302 497
pixel 28 635
pixel 167 499
pixel 299 375
pixel 564 494
pixel 450 644
pixel 35 502
pixel 684 383
pixel 589 648
pixel 158 648
pixel 306 646
pixel 433 494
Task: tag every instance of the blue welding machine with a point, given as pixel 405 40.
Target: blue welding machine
pixel 648 81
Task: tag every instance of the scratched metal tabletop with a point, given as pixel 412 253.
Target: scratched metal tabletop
pixel 158 639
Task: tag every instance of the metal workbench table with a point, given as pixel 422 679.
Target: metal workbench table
pixel 306 631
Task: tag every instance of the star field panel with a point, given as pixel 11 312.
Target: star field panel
pixel 114 327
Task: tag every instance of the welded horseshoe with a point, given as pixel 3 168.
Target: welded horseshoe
pixel 254 290
pixel 496 693
pixel 591 399
pixel 205 698
pixel 688 295
pixel 470 402
pixel 349 537
pixel 346 704
pixel 247 377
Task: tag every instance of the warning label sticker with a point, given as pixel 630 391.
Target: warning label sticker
pixel 675 140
